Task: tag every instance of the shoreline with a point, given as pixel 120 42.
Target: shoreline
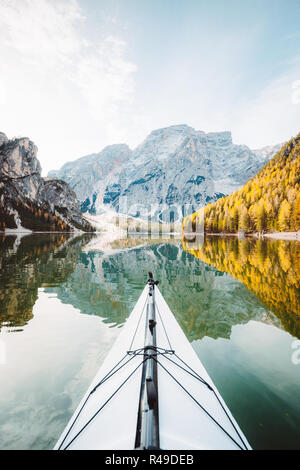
pixel 96 232
pixel 288 236
pixel 284 235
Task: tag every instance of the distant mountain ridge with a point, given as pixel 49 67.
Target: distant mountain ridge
pixel 30 202
pixel 267 152
pixel 171 173
pixel 268 202
pixel 90 174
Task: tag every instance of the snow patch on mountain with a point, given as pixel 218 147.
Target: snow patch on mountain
pixel 173 172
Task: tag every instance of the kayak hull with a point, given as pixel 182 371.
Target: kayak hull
pixel 192 413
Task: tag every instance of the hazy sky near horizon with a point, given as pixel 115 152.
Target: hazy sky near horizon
pixel 77 75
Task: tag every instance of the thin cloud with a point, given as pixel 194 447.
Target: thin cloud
pixel 272 117
pixel 42 32
pixel 55 77
pixel 74 90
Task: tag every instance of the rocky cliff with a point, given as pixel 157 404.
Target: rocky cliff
pixel 268 202
pixel 174 171
pixel 90 175
pixel 27 201
pixel 38 260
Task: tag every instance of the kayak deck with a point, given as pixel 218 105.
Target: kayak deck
pixel 192 413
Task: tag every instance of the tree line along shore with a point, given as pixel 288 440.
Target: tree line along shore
pixel 269 203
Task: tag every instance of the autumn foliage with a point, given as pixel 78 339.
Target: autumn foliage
pixel 269 268
pixel 268 202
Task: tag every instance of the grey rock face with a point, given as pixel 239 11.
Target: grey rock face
pixel 25 196
pixel 175 171
pixel 266 153
pixel 20 166
pixel 58 195
pixel 3 138
pixel 167 174
pixel 89 175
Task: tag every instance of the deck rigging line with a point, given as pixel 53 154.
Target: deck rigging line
pixel 158 352
pixel 202 407
pixel 109 374
pixel 143 309
pixel 216 395
pixel 162 322
pixel 152 352
pixel 147 429
pixel 101 408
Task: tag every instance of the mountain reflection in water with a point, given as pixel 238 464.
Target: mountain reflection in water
pixel 193 278
pixel 28 263
pixel 269 268
pixel 237 301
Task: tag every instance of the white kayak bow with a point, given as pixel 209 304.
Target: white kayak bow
pixel 152 392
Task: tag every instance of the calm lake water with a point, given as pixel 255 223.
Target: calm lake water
pixel 63 302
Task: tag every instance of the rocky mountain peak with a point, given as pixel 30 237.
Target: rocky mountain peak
pixel 27 201
pixel 175 129
pixel 19 163
pixel 175 169
pixel 94 172
pixel 267 152
pixel 161 143
pixel 222 139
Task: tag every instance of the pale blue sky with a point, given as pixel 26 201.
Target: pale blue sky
pixel 82 74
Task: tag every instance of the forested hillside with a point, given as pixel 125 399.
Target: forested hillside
pixel 30 202
pixel 268 202
pixel 269 269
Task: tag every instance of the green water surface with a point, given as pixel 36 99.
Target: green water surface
pixel 63 302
